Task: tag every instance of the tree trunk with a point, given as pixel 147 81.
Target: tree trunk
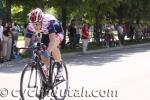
pixel 7 17
pixel 64 18
pixel 96 29
pixel 120 13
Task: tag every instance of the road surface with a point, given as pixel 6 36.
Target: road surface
pixel 113 75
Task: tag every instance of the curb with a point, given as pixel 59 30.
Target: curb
pixel 105 50
pixel 88 52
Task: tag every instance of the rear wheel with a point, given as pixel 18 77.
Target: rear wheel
pixel 60 88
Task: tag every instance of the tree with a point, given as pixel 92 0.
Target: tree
pixel 7 10
pixel 98 10
pixel 133 10
pixel 65 10
pixel 27 5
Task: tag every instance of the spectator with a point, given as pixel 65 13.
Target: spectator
pixel 109 34
pixel 125 29
pixel 145 32
pixel 25 29
pixel 131 32
pixel 85 37
pixel 120 34
pixel 138 32
pixel 1 40
pixel 15 32
pixel 78 27
pixel 9 44
pixel 72 34
pixel 6 41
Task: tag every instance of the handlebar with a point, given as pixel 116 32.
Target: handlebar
pixel 39 46
pixel 29 48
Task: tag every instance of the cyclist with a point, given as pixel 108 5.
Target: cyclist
pixel 52 36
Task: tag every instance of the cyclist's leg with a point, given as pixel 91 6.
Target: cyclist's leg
pixel 55 36
pixel 45 60
pixel 55 50
pixel 53 47
pixel 56 54
pixel 45 54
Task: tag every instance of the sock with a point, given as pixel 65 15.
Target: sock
pixel 59 64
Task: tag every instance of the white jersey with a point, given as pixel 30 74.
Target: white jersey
pixel 30 28
pixel 48 24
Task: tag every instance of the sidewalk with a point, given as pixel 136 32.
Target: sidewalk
pixel 105 49
pixel 21 44
pixel 23 61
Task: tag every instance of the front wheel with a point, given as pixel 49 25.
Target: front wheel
pixel 60 88
pixel 30 83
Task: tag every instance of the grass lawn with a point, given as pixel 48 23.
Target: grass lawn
pixel 93 46
pixel 21 37
pixel 128 42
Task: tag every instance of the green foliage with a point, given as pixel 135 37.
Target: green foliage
pixel 52 11
pixel 85 9
pixel 136 9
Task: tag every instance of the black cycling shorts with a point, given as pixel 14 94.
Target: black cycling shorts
pixel 28 35
pixel 45 39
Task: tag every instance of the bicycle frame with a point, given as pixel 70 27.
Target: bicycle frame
pixel 38 65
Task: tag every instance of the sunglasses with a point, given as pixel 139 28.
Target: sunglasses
pixel 37 23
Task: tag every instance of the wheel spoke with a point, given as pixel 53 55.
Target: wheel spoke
pixel 30 83
pixel 60 87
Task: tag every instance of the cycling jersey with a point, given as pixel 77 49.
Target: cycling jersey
pixel 50 25
pixel 29 30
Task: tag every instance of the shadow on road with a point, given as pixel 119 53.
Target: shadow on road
pixel 13 66
pixel 98 59
pixel 94 59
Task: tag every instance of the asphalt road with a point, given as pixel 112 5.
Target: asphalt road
pixel 114 75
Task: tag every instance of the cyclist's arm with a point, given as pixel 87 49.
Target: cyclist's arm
pixel 28 36
pixel 52 38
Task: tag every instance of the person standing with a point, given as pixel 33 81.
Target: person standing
pixel 9 44
pixel 78 30
pixel 7 38
pixel 120 34
pixel 1 40
pixel 15 32
pixel 72 34
pixel 85 37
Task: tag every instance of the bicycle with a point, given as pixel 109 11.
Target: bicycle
pixel 43 86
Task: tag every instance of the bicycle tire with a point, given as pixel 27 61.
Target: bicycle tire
pixel 27 68
pixel 54 86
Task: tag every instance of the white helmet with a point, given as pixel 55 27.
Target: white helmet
pixel 35 15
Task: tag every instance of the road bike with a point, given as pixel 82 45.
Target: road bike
pixel 37 86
